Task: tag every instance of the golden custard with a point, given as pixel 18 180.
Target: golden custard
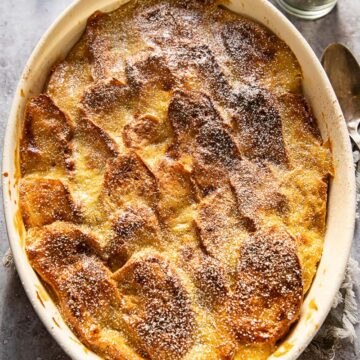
pixel 174 184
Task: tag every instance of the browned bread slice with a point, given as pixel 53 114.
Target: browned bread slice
pixel 108 38
pixel 106 103
pixel 127 179
pixel 148 69
pixel 221 232
pixel 157 306
pixel 201 134
pixel 95 145
pixel 209 275
pixel 200 131
pixel 268 290
pixel 134 228
pixel 68 80
pixel 143 131
pixel 65 256
pixel 258 126
pixel 43 201
pixel 176 190
pixel 300 128
pixel 46 141
pixel 257 192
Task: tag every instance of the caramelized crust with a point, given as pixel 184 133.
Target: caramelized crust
pixel 47 132
pixel 105 104
pixel 157 306
pixel 143 131
pixel 174 184
pixel 200 131
pixel 176 190
pixel 147 69
pixel 98 45
pixel 209 276
pixel 96 138
pixel 256 193
pixel 248 44
pixel 103 97
pixel 85 292
pixel 222 231
pixel 268 289
pixel 69 79
pixel 54 247
pixel 201 134
pixel 258 126
pixel 127 177
pixel 44 201
pixel 136 227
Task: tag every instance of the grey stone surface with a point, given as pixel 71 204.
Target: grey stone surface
pixel 22 22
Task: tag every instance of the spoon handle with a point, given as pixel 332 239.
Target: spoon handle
pixel 353 131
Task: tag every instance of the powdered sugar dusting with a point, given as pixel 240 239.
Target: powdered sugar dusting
pixel 168 213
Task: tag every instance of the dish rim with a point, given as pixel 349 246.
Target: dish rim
pixel 71 345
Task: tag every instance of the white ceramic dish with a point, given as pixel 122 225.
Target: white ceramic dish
pixel 55 44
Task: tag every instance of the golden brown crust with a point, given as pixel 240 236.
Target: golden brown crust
pixel 180 131
pixel 248 44
pixel 157 306
pixel 68 80
pixel 64 255
pixel 176 190
pixel 143 131
pixel 134 228
pixel 255 190
pixel 43 201
pixel 99 139
pixel 256 115
pixel 47 132
pixel 268 290
pixel 209 275
pixel 219 229
pixel 148 69
pixel 97 45
pixel 106 104
pixel 128 176
pixel 201 134
pixel 200 131
pixel 103 97
pixel 52 247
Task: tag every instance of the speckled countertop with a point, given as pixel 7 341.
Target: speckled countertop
pixel 22 22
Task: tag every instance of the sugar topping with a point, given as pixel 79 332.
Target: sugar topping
pixel 173 184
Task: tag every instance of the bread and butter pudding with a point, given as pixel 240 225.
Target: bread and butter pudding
pixel 174 184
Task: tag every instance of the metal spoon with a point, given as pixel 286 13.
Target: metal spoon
pixel 344 74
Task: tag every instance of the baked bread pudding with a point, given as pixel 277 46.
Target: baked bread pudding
pixel 174 184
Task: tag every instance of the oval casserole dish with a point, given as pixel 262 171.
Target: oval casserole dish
pixel 56 43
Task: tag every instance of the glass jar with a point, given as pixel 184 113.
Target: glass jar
pixel 307 9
